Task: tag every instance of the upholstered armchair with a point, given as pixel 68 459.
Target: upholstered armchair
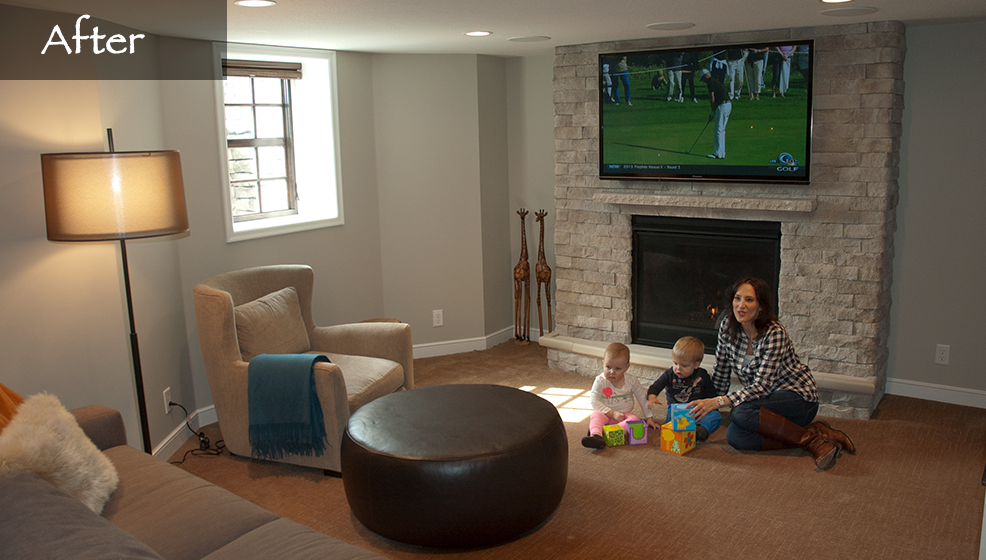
pixel 267 310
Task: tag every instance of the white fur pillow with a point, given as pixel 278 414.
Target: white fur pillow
pixel 43 438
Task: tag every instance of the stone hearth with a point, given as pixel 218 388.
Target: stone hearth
pixel 836 233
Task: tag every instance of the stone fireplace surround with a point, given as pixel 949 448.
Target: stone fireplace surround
pixel 836 233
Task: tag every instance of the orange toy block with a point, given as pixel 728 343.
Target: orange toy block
pixel 678 443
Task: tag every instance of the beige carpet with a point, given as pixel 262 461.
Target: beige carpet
pixel 913 491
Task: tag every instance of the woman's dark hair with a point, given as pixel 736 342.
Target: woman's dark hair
pixel 764 299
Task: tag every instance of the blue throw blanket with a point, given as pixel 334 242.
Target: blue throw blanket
pixel 285 415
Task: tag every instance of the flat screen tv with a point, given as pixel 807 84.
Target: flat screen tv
pixel 657 119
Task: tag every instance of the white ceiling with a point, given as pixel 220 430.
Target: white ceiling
pixel 438 26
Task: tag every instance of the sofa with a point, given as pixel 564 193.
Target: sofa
pixel 157 511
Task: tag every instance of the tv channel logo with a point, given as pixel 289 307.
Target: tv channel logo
pixel 786 161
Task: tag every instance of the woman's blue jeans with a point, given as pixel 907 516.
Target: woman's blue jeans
pixel 745 418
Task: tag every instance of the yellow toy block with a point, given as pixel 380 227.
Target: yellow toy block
pixel 614 435
pixel 676 442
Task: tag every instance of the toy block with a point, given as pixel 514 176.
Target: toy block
pixel 614 435
pixel 681 418
pixel 677 442
pixel 636 432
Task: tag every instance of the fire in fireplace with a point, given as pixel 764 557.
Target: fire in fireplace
pixel 682 268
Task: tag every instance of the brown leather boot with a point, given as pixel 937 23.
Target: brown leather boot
pixel 781 433
pixel 836 436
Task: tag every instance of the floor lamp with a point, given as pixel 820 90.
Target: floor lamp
pixel 110 196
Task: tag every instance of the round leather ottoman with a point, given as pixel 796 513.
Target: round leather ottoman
pixel 455 465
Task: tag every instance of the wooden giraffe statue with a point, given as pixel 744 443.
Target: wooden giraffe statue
pixel 522 286
pixel 543 273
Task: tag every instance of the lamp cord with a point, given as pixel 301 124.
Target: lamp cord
pixel 204 445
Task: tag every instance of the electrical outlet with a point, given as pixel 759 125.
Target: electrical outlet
pixel 437 319
pixel 941 354
pixel 167 401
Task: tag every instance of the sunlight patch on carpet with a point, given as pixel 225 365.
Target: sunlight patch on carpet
pixel 573 404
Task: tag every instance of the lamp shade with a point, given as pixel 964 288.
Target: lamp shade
pixel 113 195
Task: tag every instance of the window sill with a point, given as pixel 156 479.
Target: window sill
pixel 281 229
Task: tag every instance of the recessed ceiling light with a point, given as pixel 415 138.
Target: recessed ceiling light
pixel 478 33
pixel 671 26
pixel 835 1
pixel 255 3
pixel 847 12
pixel 529 39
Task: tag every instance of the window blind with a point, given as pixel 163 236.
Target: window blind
pixel 262 69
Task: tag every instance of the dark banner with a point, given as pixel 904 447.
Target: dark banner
pixel 46 45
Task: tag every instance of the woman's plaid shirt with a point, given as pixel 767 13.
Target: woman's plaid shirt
pixel 773 367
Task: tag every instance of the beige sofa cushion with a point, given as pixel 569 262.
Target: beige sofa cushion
pixel 271 324
pixel 179 515
pixel 286 539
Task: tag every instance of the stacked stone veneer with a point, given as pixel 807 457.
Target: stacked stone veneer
pixel 837 233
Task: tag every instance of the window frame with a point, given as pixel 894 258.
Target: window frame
pixel 287 142
pixel 317 154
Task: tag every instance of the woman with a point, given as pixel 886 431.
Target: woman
pixel 778 401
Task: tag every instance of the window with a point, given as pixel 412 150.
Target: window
pixel 280 140
pixel 257 98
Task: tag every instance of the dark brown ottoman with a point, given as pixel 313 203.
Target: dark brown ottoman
pixel 455 465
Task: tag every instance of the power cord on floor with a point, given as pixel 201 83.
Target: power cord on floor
pixel 204 444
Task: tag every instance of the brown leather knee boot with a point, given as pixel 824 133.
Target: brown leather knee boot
pixel 835 436
pixel 781 433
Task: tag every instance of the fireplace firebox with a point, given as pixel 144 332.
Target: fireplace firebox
pixel 682 268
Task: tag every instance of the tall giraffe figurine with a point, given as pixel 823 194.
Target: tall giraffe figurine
pixel 522 284
pixel 543 273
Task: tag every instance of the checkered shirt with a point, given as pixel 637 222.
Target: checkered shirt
pixel 773 367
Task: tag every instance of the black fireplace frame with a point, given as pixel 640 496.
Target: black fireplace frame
pixel 693 230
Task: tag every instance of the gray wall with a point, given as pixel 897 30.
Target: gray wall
pixel 427 150
pixel 531 153
pixel 494 193
pixel 940 265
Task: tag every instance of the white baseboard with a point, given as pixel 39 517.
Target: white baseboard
pixel 933 392
pixel 180 434
pixel 432 349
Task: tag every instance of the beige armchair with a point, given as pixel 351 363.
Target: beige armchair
pixel 268 310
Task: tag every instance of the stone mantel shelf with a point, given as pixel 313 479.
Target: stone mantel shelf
pixel 802 205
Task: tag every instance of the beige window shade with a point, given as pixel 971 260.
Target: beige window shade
pixel 262 69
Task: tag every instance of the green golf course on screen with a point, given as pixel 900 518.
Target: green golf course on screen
pixel 667 128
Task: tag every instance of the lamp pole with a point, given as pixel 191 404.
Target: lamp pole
pixel 145 432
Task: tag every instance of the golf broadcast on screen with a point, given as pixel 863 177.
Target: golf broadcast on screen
pixel 721 113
